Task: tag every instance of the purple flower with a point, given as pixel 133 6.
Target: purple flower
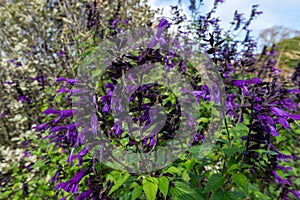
pixel 28 167
pixel 293 91
pixel 61 53
pixel 94 124
pixel 40 79
pixel 2 115
pixel 18 64
pixel 125 21
pixel 198 137
pixel 70 91
pixel 297 194
pixel 67 80
pixel 204 94
pixel 106 99
pixel 85 195
pixel 289 103
pixel 26 154
pixel 244 84
pixel 283 157
pixel 56 175
pixel 283 122
pixel 282 116
pixel 82 133
pixel 72 185
pixel 117 127
pixel 41 127
pixel 219 1
pixel 23 99
pixel 79 156
pixel 63 128
pixel 9 83
pixel 62 113
pixel 163 24
pixel 278 179
pixel 61 90
pixel 68 136
pixel 50 111
pixel 278 112
pixel 284 169
pixel 151 141
pixel 117 102
pixel 216 93
pixel 12 60
pixel 25 143
pixel 268 124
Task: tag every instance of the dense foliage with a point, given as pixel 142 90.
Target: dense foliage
pixel 254 156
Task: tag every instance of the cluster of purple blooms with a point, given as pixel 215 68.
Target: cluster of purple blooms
pixel 69 136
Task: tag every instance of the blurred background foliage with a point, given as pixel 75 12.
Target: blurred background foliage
pixel 41 40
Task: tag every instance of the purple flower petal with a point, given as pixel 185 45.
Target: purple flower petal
pixel 94 124
pixel 50 111
pixel 72 185
pixel 79 156
pixel 85 195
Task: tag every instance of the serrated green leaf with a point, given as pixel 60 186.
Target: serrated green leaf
pixel 163 185
pixel 214 183
pixel 222 195
pixel 233 167
pixel 186 176
pixel 136 192
pixel 241 181
pixel 182 191
pixel 124 141
pixel 260 195
pixel 150 187
pixel 173 170
pixel 240 130
pixel 119 184
pixel 189 164
pixel 233 150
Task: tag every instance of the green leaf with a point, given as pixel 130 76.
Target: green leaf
pixel 186 176
pixel 189 164
pixel 222 195
pixel 183 191
pixel 233 167
pixel 260 195
pixel 257 193
pixel 214 183
pixel 119 184
pixel 136 192
pixel 173 170
pixel 163 185
pixel 203 119
pixel 150 187
pixel 240 130
pixel 124 141
pixel 233 150
pixel 241 181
